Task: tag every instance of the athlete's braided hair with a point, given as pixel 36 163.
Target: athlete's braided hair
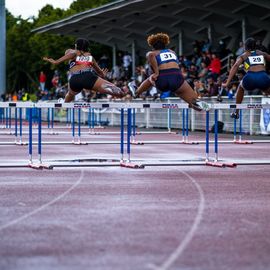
pixel 158 41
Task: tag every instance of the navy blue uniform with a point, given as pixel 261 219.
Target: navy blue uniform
pixel 255 79
pixel 168 79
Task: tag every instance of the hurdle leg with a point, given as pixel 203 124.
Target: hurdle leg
pixel 169 120
pixel 129 164
pixel 73 125
pixel 99 119
pixel 30 144
pixel 234 130
pixel 79 128
pixel 89 120
pixel 183 126
pixel 207 137
pixel 16 125
pixel 216 162
pixel 122 136
pixel 41 164
pixel 20 129
pixel 9 121
pixel 186 128
pixel 240 141
pixel 133 127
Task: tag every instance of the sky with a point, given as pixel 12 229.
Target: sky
pixel 27 8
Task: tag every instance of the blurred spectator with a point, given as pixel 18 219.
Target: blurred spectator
pixel 127 60
pixel 104 61
pixel 206 59
pixel 222 50
pixel 221 91
pixel 215 66
pixel 231 63
pixel 240 75
pixel 199 87
pixel 196 47
pixel 206 46
pixel 116 74
pixel 211 87
pixel 55 79
pixel 232 90
pixel 193 72
pixel 186 61
pixel 240 49
pixel 42 80
pixel 15 97
pixel 203 72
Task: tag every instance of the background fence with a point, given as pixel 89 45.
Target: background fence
pixel 156 118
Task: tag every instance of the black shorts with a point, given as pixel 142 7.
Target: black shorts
pixel 82 80
pixel 169 80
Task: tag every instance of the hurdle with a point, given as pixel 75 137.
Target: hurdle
pixel 127 161
pixel 123 106
pixel 216 162
pixel 219 163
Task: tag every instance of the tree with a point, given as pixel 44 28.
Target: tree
pixel 26 49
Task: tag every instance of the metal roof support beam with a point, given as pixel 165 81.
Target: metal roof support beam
pixel 209 33
pixel 265 17
pixel 244 30
pixel 180 43
pixel 2 47
pixel 133 52
pixel 239 8
pixel 210 3
pixel 261 3
pixel 114 55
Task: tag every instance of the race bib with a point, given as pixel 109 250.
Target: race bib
pixel 165 56
pixel 84 59
pixel 256 60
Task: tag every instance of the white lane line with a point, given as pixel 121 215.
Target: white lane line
pixel 42 207
pixel 188 237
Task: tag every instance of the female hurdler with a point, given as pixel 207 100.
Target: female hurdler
pixel 81 75
pixel 256 76
pixel 166 73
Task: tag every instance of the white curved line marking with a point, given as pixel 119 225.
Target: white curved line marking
pixel 16 221
pixel 188 237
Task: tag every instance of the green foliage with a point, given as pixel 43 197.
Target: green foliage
pixel 82 5
pixel 26 49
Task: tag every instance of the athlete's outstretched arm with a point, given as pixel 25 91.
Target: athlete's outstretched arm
pixel 61 59
pixel 233 71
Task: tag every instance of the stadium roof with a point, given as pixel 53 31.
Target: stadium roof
pixel 121 22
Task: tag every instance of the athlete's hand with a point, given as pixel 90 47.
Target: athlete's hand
pixel 52 61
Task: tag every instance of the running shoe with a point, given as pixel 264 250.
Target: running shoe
pixel 235 115
pixel 132 89
pixel 200 105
